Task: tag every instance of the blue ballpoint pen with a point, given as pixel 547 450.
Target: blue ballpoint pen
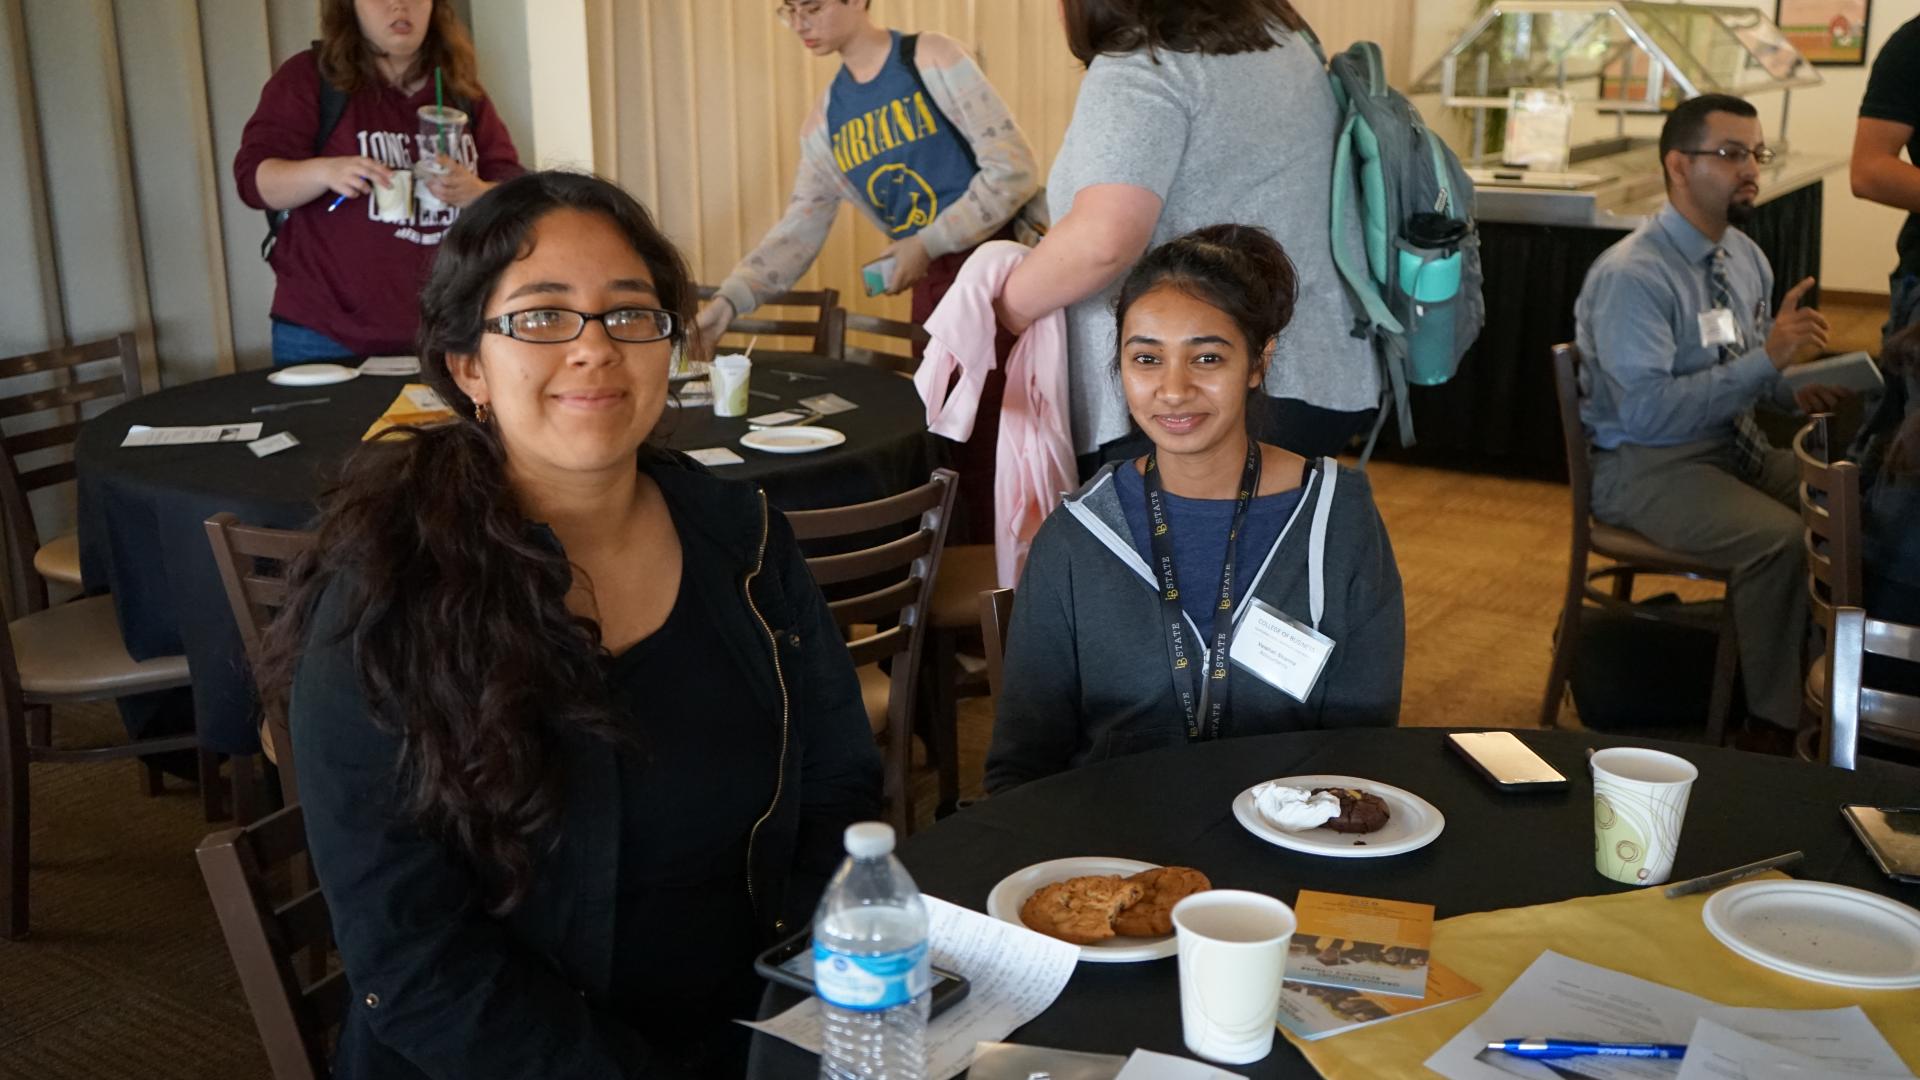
pixel 338 199
pixel 1560 1048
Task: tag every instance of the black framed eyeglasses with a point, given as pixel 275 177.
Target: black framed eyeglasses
pixel 554 326
pixel 1735 154
pixel 793 14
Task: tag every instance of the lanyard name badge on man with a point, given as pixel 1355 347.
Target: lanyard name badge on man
pixel 1197 692
pixel 1287 654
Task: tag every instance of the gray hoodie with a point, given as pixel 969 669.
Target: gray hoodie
pixel 1087 675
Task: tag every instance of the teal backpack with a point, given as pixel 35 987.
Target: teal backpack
pixel 1417 282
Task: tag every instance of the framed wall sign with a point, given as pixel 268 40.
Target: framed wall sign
pixel 1827 32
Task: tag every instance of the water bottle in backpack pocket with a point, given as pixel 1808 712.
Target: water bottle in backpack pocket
pixel 1431 262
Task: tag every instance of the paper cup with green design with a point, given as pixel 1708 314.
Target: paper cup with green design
pixel 730 376
pixel 1639 804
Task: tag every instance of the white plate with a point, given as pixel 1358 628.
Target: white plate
pixel 1825 933
pixel 1412 823
pixel 793 440
pixel 312 375
pixel 1004 903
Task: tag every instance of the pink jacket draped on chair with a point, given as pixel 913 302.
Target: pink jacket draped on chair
pixel 1033 461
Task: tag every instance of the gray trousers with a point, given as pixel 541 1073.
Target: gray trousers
pixel 1690 499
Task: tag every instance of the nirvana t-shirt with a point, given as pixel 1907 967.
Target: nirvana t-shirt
pixel 895 147
pixel 1893 94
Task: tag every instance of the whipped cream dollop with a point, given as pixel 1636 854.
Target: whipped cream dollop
pixel 1294 809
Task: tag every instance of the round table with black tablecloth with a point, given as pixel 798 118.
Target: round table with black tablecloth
pixel 1498 850
pixel 142 510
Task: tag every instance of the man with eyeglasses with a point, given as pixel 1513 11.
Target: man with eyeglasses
pixel 1680 342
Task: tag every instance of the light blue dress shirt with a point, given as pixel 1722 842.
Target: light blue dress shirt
pixel 1648 378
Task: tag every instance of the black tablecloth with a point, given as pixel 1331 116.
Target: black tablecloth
pixel 142 510
pixel 1498 850
pixel 1498 414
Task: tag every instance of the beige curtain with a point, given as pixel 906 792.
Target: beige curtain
pixel 698 105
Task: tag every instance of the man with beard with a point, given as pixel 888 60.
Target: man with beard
pixel 1680 341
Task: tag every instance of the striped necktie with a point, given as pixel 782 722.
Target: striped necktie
pixel 1750 445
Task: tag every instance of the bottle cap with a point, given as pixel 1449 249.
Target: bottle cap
pixel 869 839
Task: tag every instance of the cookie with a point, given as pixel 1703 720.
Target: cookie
pixel 1360 811
pixel 1080 910
pixel 1152 914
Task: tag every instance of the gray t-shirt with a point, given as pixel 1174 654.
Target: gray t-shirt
pixel 1245 139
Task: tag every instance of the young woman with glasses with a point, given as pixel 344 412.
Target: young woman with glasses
pixel 575 732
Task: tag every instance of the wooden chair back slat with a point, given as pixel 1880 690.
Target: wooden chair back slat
pixel 47 476
pixel 869 562
pixel 254 563
pixel 294 1021
pixel 906 338
pixel 996 611
pixel 121 347
pixel 914 563
pixel 823 325
pixel 1855 708
pixel 304 922
pixel 884 603
pixel 326 1000
pixel 1830 508
pixel 43 439
pixel 61 397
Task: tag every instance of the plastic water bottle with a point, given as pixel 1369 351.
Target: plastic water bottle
pixel 870 966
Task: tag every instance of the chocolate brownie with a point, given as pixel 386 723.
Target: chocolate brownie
pixel 1360 812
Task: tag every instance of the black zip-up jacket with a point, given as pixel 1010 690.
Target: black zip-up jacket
pixel 440 988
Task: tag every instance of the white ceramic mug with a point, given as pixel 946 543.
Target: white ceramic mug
pixel 1639 804
pixel 729 379
pixel 1233 954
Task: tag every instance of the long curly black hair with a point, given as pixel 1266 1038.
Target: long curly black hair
pixel 459 626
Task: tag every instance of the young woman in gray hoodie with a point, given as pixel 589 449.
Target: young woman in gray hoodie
pixel 1215 587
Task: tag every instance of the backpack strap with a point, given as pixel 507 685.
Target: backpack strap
pixel 909 46
pixel 332 106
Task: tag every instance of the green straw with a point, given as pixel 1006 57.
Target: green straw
pixel 437 99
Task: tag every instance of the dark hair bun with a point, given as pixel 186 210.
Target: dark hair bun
pixel 1240 269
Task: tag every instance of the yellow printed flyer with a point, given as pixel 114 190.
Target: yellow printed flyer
pixel 1315 1012
pixel 1359 943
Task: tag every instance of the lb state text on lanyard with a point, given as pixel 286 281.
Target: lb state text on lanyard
pixel 1198 692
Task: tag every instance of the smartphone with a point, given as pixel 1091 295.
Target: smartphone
pixel 878 275
pixel 790 963
pixel 1506 761
pixel 1892 836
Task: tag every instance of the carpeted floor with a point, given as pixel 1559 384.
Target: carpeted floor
pixel 126 974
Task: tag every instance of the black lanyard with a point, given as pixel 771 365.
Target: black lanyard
pixel 1188 684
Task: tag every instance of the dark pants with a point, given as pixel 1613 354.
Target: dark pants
pixel 973 459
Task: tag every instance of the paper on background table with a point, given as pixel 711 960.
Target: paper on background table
pixel 715 455
pixel 142 435
pixel 1640 933
pixel 1570 999
pixel 1015 973
pixel 390 365
pixel 1718 1052
pixel 828 404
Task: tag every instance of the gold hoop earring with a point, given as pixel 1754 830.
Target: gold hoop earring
pixel 481 413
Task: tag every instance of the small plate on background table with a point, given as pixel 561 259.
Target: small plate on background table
pixel 793 440
pixel 312 375
pixel 1413 822
pixel 1006 899
pixel 1824 933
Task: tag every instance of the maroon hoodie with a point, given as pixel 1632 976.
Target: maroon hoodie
pixel 348 274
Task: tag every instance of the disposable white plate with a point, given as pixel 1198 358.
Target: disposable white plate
pixel 312 375
pixel 1824 933
pixel 1412 823
pixel 793 440
pixel 1004 903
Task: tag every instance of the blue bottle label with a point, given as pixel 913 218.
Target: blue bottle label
pixel 870 982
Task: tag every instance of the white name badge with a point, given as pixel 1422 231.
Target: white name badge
pixel 1286 653
pixel 1717 328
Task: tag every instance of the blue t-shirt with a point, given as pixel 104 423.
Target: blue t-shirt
pixel 1200 539
pixel 895 147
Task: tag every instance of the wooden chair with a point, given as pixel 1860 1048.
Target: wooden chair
pixel 966 571
pixel 1859 710
pixel 1631 555
pixel 254 563
pixel 822 322
pixel 897 578
pixel 996 611
pixel 903 341
pixel 297 1015
pixel 58 559
pixel 1830 509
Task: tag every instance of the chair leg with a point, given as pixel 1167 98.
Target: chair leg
pixel 944 720
pixel 14 806
pixel 1623 586
pixel 1726 662
pixel 1566 639
pixel 897 786
pixel 153 781
pixel 213 802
